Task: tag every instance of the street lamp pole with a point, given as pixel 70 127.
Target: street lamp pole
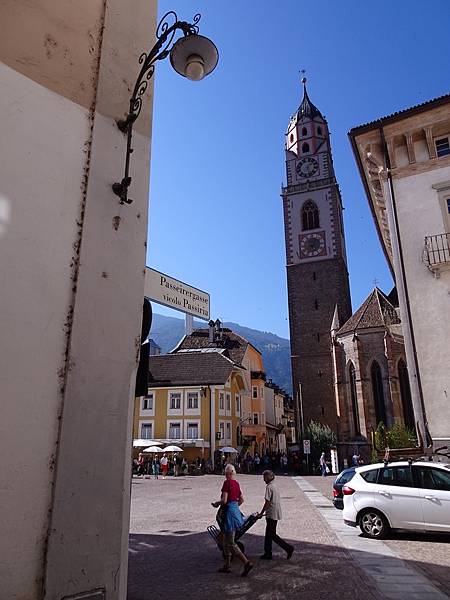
pixel 192 55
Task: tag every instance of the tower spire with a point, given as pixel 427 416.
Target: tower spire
pixel 307 108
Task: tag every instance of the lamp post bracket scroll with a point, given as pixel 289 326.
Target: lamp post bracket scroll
pixel 192 55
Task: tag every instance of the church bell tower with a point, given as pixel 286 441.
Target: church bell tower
pixel 317 277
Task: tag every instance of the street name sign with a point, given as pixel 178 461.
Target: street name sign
pixel 306 446
pixel 166 290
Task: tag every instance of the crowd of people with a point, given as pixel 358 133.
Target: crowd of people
pixel 279 462
pixel 169 464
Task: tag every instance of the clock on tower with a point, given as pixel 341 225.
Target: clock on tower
pixel 316 261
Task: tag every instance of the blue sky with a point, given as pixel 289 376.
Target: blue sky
pixel 218 145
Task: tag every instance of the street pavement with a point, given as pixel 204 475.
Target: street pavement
pixel 171 555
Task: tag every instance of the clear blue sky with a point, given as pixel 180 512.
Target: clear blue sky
pixel 218 145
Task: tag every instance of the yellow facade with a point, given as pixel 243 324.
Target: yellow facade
pixel 191 416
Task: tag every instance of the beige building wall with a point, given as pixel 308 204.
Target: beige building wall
pixel 408 205
pixel 71 263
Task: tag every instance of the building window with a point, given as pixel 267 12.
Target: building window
pixel 319 130
pixel 405 393
pixel 222 430
pixel 310 216
pixel 318 337
pixel 228 430
pixel 314 276
pixel 305 147
pixel 354 399
pixel 255 419
pixel 316 304
pixel 192 431
pixel 442 146
pixel 378 394
pixel 228 401
pixel 175 401
pixel 192 400
pixel 305 132
pixel 255 391
pixel 175 431
pixel 147 402
pixel 291 137
pixel 221 401
pixel 238 405
pixel 146 431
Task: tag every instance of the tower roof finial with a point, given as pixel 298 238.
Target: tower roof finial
pixel 307 108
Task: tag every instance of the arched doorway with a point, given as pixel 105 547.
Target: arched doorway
pixel 378 393
pixel 405 393
pixel 354 399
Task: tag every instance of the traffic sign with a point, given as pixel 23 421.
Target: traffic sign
pixel 306 446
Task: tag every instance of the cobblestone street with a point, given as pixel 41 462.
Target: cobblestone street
pixel 171 554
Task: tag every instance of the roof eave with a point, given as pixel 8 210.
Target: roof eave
pixel 360 166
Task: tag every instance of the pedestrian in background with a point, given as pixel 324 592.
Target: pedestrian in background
pixel 155 467
pixel 323 465
pixel 164 465
pixel 272 511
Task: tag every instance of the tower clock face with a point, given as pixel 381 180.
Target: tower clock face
pixel 312 244
pixel 307 167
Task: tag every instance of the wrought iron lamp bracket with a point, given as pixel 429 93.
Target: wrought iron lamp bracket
pixel 165 33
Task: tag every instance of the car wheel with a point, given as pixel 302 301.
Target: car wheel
pixel 373 524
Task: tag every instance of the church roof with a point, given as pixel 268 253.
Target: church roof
pixel 307 108
pixel 376 311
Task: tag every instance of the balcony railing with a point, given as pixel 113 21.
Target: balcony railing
pixel 436 253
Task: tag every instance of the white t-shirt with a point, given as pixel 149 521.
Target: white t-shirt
pixel 164 460
pixel 273 511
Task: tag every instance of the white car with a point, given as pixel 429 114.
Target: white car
pixel 398 495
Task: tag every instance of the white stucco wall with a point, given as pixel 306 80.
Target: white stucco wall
pixel 420 215
pixel 68 384
pixel 40 204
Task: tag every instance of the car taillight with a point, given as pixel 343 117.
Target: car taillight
pixel 335 493
pixel 347 490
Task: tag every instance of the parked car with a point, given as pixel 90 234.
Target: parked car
pixel 398 495
pixel 344 477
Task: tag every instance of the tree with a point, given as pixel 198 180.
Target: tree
pixel 322 439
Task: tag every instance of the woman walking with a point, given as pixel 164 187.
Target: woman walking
pixel 230 501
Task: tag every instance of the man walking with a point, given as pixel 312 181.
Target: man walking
pixel 272 510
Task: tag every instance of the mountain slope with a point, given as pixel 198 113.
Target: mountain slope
pixel 167 332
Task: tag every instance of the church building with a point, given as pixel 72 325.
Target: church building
pixel 317 276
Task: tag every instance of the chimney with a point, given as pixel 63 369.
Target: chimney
pixel 211 331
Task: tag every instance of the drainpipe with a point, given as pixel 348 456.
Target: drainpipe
pixel 404 285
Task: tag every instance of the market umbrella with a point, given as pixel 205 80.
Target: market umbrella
pixel 173 449
pixel 153 449
pixel 140 443
pixel 229 450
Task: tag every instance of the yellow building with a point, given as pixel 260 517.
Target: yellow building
pixel 193 401
pixel 251 420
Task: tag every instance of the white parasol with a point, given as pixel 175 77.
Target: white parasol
pixel 153 449
pixel 140 443
pixel 229 450
pixel 173 449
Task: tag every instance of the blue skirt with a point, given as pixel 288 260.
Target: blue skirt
pixel 233 517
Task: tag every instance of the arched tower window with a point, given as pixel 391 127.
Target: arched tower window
pixel 310 216
pixel 304 131
pixel 319 130
pixel 354 399
pixel 405 392
pixel 305 147
pixel 378 394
